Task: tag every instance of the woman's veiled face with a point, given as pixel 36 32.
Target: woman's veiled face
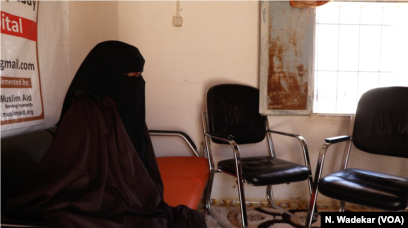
pixel 133 74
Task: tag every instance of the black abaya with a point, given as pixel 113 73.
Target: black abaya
pixel 92 175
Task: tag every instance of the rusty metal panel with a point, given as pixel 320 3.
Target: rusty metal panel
pixel 287 59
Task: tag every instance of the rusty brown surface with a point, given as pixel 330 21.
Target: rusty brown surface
pixel 287 86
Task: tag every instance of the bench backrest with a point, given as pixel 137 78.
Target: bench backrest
pixel 19 155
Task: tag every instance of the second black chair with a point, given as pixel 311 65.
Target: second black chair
pixel 380 128
pixel 233 118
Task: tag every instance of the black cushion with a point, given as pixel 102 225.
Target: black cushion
pixel 265 170
pixel 372 189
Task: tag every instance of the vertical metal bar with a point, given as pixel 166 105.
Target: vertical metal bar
pixel 346 156
pixel 269 138
pixel 318 174
pixel 307 160
pixel 207 193
pixel 344 163
pixel 342 206
pixel 307 164
pixel 241 191
pixel 269 195
pixel 207 142
pixel 347 149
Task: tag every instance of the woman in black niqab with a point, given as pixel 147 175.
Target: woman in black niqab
pixel 104 73
pixel 100 170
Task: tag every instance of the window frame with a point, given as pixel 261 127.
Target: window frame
pixel 265 42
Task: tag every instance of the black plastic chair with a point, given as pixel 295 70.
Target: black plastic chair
pixel 380 127
pixel 233 118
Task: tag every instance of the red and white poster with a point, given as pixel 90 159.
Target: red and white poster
pixel 21 98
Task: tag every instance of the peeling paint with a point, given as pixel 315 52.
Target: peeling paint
pixel 288 74
pixel 263 14
pixel 286 88
pixel 301 70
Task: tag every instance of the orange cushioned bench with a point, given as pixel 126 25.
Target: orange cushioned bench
pixel 184 178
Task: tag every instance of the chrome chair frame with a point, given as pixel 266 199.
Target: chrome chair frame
pixel 238 165
pixel 180 134
pixel 319 169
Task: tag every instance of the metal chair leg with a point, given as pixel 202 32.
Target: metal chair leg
pixel 312 206
pixel 318 174
pixel 240 183
pixel 271 200
pixel 208 188
pixel 207 193
pixel 207 199
pixel 342 206
pixel 242 204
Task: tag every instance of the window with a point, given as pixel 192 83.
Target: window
pixel 358 46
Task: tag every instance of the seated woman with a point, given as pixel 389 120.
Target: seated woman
pixel 101 170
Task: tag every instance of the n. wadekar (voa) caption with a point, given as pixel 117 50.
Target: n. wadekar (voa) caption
pixel 363 219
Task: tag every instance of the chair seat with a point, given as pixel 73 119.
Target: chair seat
pixel 368 188
pixel 184 179
pixel 266 170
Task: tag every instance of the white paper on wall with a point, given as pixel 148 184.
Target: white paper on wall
pixel 33 89
pixel 21 98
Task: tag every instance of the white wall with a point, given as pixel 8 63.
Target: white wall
pixel 55 71
pixel 218 43
pixel 90 22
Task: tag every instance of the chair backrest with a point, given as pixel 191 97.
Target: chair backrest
pixel 234 110
pixel 381 124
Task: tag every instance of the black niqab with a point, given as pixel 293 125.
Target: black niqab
pixel 101 74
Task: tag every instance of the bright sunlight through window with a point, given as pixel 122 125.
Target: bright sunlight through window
pixel 359 46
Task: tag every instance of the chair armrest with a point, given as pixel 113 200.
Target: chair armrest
pixel 322 155
pixel 323 150
pixel 228 139
pixel 180 134
pixel 220 137
pixel 305 149
pixel 224 136
pixel 284 133
pixel 338 139
pixel 301 139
